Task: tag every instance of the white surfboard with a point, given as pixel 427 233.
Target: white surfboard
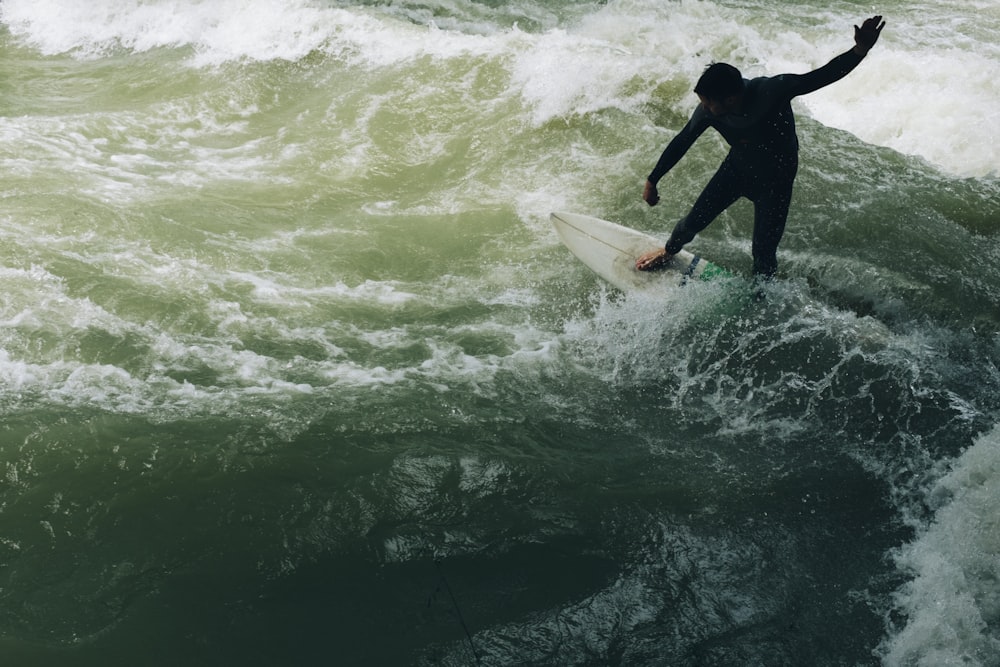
pixel 610 250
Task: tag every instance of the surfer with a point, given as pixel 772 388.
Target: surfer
pixel 755 118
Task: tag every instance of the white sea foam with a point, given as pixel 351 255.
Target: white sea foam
pixel 560 75
pixel 270 29
pixel 952 605
pixel 225 30
pixel 917 93
pixel 938 103
pixel 167 374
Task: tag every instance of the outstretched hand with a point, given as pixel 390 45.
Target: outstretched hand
pixel 866 36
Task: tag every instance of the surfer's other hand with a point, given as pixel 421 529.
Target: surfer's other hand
pixel 650 195
pixel 652 260
pixel 866 36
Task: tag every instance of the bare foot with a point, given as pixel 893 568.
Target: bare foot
pixel 653 260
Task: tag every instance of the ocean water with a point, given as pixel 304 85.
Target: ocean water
pixel 294 371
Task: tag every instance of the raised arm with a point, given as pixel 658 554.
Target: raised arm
pixel 793 85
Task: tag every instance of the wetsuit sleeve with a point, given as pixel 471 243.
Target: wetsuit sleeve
pixel 679 145
pixel 792 85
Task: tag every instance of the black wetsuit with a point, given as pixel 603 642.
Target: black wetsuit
pixel 762 160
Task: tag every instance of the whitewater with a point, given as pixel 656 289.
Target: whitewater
pixel 294 370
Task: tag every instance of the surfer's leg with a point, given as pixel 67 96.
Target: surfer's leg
pixel 770 215
pixel 720 193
